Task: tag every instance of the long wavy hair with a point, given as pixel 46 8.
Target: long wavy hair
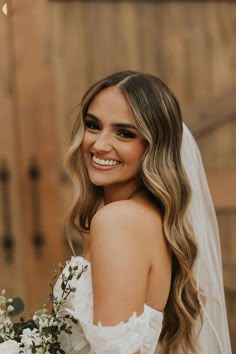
pixel 158 119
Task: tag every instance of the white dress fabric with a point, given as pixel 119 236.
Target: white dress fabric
pixel 139 333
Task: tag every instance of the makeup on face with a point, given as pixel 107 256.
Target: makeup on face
pixel 124 130
pixel 111 147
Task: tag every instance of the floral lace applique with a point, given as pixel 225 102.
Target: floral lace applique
pixel 139 333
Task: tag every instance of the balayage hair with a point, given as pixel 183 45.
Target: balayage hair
pixel 158 120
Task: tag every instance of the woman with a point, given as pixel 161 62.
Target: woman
pixel 143 208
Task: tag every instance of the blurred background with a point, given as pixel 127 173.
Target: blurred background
pixel 50 52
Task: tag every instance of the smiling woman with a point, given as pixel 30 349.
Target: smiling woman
pixel 143 209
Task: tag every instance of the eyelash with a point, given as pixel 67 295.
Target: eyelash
pixel 89 125
pixel 126 133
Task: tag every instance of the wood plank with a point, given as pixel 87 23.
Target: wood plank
pixel 126 40
pixel 12 276
pixel 40 141
pixel 205 117
pixel 222 184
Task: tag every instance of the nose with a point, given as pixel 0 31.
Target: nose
pixel 102 143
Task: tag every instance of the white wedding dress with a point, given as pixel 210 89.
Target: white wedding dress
pixel 139 333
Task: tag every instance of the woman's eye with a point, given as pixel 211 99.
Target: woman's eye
pixel 126 134
pixel 91 125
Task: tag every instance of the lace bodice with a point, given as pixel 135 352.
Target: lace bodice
pixel 139 333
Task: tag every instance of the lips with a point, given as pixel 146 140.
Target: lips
pixel 105 162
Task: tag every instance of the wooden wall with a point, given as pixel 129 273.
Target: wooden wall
pixel 50 52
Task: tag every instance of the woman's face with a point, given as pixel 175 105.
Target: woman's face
pixel 111 147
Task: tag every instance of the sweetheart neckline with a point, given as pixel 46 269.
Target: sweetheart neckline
pixel 145 305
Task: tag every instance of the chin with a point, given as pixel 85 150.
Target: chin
pixel 99 182
pixel 100 179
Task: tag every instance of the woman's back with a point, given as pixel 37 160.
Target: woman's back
pixel 144 243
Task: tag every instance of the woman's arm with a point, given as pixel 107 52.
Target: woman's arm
pixel 120 263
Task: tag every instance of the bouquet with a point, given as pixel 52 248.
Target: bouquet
pixel 39 334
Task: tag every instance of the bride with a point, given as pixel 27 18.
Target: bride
pixel 151 245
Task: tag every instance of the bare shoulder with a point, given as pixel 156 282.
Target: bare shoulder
pixel 128 214
pixel 120 258
pixel 117 226
pixel 127 230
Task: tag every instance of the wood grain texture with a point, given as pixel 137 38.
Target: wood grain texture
pixel 13 273
pixel 39 141
pixel 60 48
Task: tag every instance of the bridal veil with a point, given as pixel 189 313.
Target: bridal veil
pixel 214 335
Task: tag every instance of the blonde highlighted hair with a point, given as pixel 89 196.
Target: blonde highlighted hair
pixel 157 117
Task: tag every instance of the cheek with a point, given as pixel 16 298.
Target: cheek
pixel 139 149
pixel 135 153
pixel 85 142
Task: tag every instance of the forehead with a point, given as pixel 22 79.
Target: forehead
pixel 111 104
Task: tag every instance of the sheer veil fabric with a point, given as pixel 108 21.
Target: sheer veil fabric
pixel 214 334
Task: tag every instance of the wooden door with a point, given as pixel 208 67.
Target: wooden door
pixel 12 231
pixel 31 150
pixel 50 52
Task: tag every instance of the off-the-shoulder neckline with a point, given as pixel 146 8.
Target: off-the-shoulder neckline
pixel 145 305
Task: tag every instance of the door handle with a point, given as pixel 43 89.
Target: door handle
pixel 7 238
pixel 38 239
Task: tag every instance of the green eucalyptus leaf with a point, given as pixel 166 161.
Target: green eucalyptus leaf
pixel 63 327
pixel 63 285
pixel 70 276
pixel 74 320
pixel 68 331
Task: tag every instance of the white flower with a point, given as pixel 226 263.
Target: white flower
pixel 9 347
pixel 41 350
pixel 28 337
pixel 48 324
pixel 6 326
pixel 2 301
pixel 47 339
pixel 44 321
pixel 10 308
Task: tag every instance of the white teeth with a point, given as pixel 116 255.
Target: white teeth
pixel 105 162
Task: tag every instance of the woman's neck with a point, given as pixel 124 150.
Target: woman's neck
pixel 113 194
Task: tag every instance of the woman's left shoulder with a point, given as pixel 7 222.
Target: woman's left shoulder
pixel 130 214
pixel 126 221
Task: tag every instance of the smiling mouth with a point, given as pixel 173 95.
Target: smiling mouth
pixel 103 162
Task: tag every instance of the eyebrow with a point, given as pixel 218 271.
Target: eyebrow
pixel 114 125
